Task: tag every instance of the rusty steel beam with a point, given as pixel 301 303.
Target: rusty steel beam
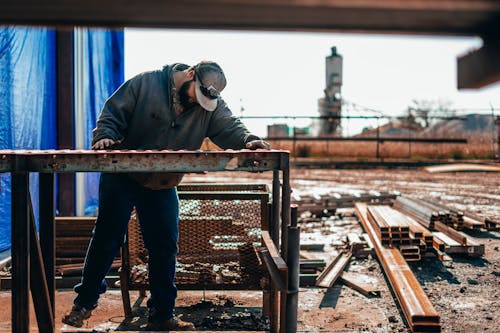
pixel 333 271
pixel 480 67
pixel 381 140
pixel 147 161
pixel 365 288
pixel 417 308
pixel 463 17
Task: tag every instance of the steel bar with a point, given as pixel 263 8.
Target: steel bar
pixel 224 195
pixel 292 300
pixel 217 187
pixel 458 236
pixel 418 310
pixel 150 161
pixel 469 220
pixel 331 203
pixel 333 271
pixel 422 214
pixel 285 212
pixel 274 270
pixel 367 289
pixel 38 282
pixel 275 226
pixel 47 230
pixel 20 251
pixel 381 140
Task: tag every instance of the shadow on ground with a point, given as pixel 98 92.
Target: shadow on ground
pixel 206 315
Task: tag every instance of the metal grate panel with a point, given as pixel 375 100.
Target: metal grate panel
pixel 219 235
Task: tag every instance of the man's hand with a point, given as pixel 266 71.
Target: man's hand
pixel 257 144
pixel 103 144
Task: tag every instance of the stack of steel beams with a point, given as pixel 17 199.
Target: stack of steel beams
pixel 394 231
pixel 417 308
pixel 445 238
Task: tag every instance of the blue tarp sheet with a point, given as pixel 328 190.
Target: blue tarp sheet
pixel 28 98
pixel 27 106
pixel 104 73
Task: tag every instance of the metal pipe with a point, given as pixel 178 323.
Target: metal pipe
pixel 20 251
pixel 292 300
pixel 274 230
pixel 285 212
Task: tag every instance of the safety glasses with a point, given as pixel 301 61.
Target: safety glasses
pixel 209 91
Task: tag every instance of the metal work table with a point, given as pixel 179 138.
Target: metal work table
pixel 27 251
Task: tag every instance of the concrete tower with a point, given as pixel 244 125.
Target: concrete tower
pixel 330 104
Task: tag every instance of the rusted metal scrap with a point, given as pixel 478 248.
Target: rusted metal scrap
pixel 417 308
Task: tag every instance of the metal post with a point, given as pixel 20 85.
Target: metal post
pixel 285 222
pixel 47 230
pixel 274 229
pixel 20 251
pixel 65 115
pixel 497 122
pixel 292 300
pixel 285 212
pixel 378 140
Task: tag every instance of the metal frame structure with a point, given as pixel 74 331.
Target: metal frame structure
pixel 48 162
pixel 426 17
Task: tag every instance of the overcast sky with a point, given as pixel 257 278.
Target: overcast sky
pixel 283 73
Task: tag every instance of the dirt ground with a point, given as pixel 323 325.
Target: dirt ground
pixel 465 292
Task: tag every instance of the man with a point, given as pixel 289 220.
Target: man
pixel 173 108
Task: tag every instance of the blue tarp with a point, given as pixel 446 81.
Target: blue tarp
pixel 28 98
pixel 27 103
pixel 104 67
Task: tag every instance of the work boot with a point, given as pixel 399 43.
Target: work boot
pixel 76 316
pixel 172 324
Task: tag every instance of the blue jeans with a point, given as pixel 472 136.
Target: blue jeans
pixel 158 212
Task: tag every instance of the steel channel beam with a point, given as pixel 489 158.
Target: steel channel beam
pixel 417 308
pixel 152 161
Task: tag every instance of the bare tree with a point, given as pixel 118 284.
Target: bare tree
pixel 427 110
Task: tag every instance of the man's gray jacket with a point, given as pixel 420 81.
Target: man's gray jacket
pixel 139 115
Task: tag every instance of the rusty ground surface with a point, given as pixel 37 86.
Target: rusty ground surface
pixel 465 292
